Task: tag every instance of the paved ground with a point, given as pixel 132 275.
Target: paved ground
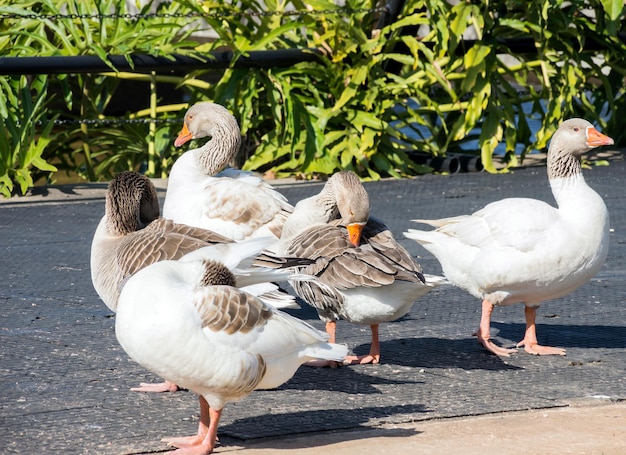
pixel 65 381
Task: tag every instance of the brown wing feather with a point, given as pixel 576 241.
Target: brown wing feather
pixel 162 240
pixel 228 309
pixel 378 261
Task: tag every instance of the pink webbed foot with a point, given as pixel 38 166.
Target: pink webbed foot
pixel 199 449
pixel 362 359
pixel 159 387
pixel 374 355
pixel 204 441
pixel 492 347
pixel 535 348
pixel 530 343
pixel 483 333
pixel 184 441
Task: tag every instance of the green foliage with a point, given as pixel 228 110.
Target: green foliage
pixel 379 89
pixel 86 149
pixel 408 86
pixel 321 117
pixel 22 142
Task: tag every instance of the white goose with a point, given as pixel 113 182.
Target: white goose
pixel 523 250
pixel 185 321
pixel 131 236
pixel 233 203
pixel 363 275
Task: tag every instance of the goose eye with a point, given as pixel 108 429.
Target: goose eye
pixel 576 129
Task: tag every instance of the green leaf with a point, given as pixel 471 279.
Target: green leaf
pixel 613 8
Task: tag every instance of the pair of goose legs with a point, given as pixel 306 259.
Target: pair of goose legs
pixel 372 357
pixel 203 442
pixel 529 342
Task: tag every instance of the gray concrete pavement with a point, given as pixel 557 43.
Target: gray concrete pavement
pixel 584 428
pixel 65 380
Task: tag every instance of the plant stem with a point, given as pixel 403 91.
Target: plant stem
pixel 152 136
pixel 91 175
pixel 176 80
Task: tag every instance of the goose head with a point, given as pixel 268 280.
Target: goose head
pixel 572 139
pixel 131 203
pixel 352 201
pixel 216 274
pixel 212 120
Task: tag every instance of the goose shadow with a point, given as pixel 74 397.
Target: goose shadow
pixel 431 352
pixel 568 336
pixel 425 352
pixel 352 380
pixel 321 421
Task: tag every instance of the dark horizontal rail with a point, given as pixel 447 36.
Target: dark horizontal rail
pixel 147 63
pixel 143 63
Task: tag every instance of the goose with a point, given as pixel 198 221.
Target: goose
pixel 202 193
pixel 131 235
pixel 362 274
pixel 522 250
pixel 186 321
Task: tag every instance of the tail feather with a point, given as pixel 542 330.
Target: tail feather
pixel 272 295
pixel 231 254
pixel 327 351
pixel 421 237
pixel 436 280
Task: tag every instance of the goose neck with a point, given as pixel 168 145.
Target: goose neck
pixel 563 164
pixel 217 152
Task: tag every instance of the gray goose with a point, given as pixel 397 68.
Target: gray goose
pixel 362 274
pixel 131 235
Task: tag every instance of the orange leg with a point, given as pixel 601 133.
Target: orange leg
pixel 530 337
pixel 374 354
pixel 331 330
pixel 166 386
pixel 483 333
pixel 202 443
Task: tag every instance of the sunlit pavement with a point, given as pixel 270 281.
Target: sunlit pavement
pixel 65 380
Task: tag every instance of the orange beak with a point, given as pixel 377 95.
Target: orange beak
pixel 354 233
pixel 183 136
pixel 596 139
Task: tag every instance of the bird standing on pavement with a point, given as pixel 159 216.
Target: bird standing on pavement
pixel 522 250
pixel 187 322
pixel 131 236
pixel 363 275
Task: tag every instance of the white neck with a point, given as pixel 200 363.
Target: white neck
pixel 578 202
pixel 313 211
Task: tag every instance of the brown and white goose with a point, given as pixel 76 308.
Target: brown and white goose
pixel 202 193
pixel 363 275
pixel 522 250
pixel 185 321
pixel 131 235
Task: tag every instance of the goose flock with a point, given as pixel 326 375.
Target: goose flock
pixel 195 293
